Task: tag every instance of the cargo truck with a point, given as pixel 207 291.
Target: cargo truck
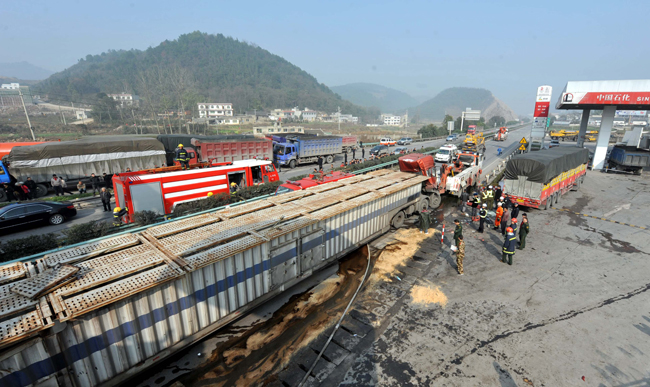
pixel 296 150
pixel 218 149
pixel 539 179
pixel 628 159
pixel 349 143
pixel 76 160
pixel 100 312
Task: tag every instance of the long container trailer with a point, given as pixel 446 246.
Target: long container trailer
pixel 99 313
pixel 539 179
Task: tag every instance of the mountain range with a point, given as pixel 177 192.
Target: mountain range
pixel 372 95
pixel 23 70
pixel 199 67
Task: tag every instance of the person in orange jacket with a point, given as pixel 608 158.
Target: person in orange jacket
pixel 497 220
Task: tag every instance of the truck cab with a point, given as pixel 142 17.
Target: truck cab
pixel 447 154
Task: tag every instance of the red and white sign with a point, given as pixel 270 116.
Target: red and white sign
pixel 541 109
pixel 544 93
pixel 603 98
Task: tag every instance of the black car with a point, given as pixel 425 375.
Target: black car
pixel 379 150
pixel 34 214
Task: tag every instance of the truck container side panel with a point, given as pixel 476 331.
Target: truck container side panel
pixel 234 151
pixel 100 345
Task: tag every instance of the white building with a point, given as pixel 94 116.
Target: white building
pixel 391 120
pixel 309 115
pixel 262 131
pixel 10 86
pixel 215 110
pixel 344 118
pixel 125 99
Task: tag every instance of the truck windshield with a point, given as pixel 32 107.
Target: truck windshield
pixel 278 149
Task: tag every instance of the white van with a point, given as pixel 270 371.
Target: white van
pixel 447 153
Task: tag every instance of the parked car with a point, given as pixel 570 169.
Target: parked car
pixel 553 144
pixel 405 141
pixel 400 150
pixel 379 150
pixel 34 214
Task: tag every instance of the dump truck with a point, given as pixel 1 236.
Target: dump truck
pixel 501 134
pixel 220 149
pixel 539 179
pixel 312 180
pixel 162 192
pixel 296 150
pixel 349 143
pixel 100 312
pixel 628 159
pixel 76 160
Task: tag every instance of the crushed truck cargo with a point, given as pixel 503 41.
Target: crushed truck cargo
pixel 100 312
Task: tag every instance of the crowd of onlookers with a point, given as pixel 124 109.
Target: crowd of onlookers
pixel 27 190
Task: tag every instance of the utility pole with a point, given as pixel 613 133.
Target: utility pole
pixel 62 116
pixel 339 111
pixel 26 115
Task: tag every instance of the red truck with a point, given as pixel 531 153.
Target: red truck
pixel 311 181
pixel 539 179
pixel 217 149
pixel 162 191
pixel 349 143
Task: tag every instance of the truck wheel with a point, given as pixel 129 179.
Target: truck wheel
pixel 3 195
pixel 292 164
pixel 637 172
pixel 329 159
pixel 398 220
pixel 41 190
pixel 422 204
pixel 434 200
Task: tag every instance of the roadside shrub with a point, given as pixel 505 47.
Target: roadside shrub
pixel 22 247
pixel 85 231
pixel 143 218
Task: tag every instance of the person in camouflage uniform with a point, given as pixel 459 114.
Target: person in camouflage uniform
pixel 460 254
pixel 424 220
pixel 458 231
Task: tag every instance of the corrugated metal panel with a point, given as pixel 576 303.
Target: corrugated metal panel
pixel 131 305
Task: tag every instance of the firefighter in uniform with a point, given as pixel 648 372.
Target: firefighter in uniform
pixel 458 231
pixel 424 221
pixel 523 232
pixel 476 203
pixel 513 224
pixel 497 219
pixel 482 215
pixel 118 213
pixel 490 198
pixel 182 157
pixel 509 246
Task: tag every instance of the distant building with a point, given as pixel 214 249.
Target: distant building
pixel 81 114
pixel 309 115
pixel 334 117
pixel 10 86
pixel 262 131
pixel 125 99
pixel 215 110
pixel 391 120
pixel 227 121
pixel 10 96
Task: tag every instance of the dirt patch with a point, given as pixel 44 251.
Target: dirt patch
pixel 428 294
pixel 255 356
pixel 395 255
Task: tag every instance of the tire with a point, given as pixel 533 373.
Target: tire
pixel 422 204
pixel 637 172
pixel 398 220
pixel 292 164
pixel 56 219
pixel 329 159
pixel 435 200
pixel 41 190
pixel 3 195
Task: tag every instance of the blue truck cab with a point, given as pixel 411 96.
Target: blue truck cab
pixel 629 159
pixel 295 150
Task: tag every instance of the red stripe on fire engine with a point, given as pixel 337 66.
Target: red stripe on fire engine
pixel 195 191
pixel 193 181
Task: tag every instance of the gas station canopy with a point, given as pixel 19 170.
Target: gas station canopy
pixel 628 95
pixel 607 96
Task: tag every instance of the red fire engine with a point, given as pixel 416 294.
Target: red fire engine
pixel 162 191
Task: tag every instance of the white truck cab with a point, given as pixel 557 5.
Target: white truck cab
pixel 447 153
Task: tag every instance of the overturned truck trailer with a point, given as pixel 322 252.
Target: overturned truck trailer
pixel 101 312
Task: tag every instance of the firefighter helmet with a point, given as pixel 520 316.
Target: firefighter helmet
pixel 210 194
pixel 180 145
pixel 117 209
pixel 510 230
pixel 514 220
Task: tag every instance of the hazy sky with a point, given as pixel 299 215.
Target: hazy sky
pixel 420 47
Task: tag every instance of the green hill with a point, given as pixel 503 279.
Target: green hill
pixel 371 95
pixel 198 67
pixel 454 100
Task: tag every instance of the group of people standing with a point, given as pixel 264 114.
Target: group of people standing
pixel 506 221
